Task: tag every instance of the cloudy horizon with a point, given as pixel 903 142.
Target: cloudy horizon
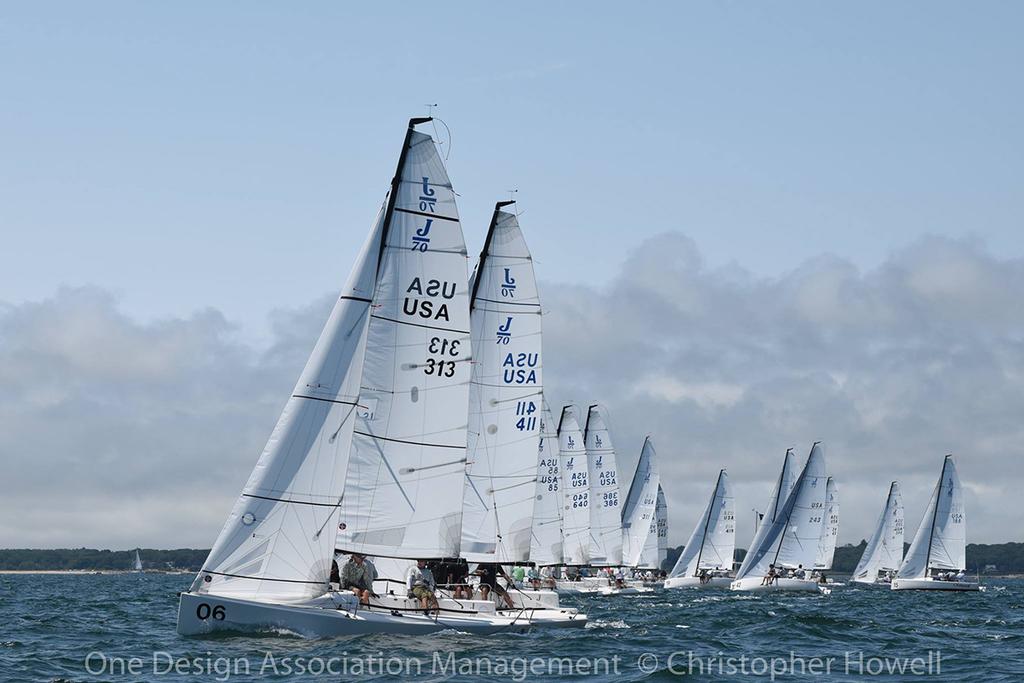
pixel 120 433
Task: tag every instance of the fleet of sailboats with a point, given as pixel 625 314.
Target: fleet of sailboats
pixel 419 430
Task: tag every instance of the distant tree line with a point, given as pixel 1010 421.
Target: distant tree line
pixel 87 559
pixel 1006 558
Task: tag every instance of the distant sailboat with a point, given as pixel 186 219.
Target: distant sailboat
pixel 639 510
pixel 884 551
pixel 707 557
pixel 791 539
pixel 655 550
pixel 369 454
pixel 137 563
pixel 605 506
pixel 937 556
pixel 829 528
pixel 783 487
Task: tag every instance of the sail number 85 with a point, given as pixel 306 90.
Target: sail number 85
pixel 204 611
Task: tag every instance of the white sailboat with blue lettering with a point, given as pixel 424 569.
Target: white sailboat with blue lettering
pixel 369 454
pixel 937 557
pixel 883 553
pixel 706 560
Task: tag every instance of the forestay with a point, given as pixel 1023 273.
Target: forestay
pixel 792 539
pixel 638 512
pixel 605 507
pixel 941 540
pixel 884 551
pixel 403 490
pixel 278 541
pixel 829 527
pixel 713 541
pixel 546 546
pixel 504 399
pixel 572 464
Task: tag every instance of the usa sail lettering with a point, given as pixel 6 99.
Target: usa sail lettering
pixel 508 287
pixel 520 368
pixel 430 308
pixel 549 473
pixel 527 421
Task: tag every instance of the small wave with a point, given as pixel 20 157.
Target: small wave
pixel 601 623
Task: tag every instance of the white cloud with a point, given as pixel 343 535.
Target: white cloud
pixel 118 433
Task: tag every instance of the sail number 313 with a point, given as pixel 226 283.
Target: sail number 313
pixel 438 364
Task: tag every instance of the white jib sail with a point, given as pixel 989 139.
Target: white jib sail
pixel 605 506
pixel 406 472
pixel 829 527
pixel 792 539
pixel 783 487
pixel 884 551
pixel 505 407
pixel 941 540
pixel 572 465
pixel 546 546
pixel 638 512
pixel 278 541
pixel 656 548
pixel 713 541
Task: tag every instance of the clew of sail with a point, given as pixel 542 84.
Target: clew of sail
pixel 605 509
pixel 278 541
pixel 941 540
pixel 783 487
pixel 406 470
pixel 505 408
pixel 546 545
pixel 713 541
pixel 792 538
pixel 829 527
pixel 572 465
pixel 884 550
pixel 638 512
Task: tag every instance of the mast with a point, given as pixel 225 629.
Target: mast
pixel 935 514
pixel 707 520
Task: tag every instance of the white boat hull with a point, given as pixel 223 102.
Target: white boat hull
pixel 754 585
pixel 695 582
pixel 924 584
pixel 203 614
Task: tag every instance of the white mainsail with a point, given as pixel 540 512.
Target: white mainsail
pixel 656 548
pixel 406 470
pixel 941 540
pixel 504 398
pixel 792 538
pixel 829 527
pixel 137 564
pixel 278 542
pixel 763 522
pixel 546 547
pixel 713 541
pixel 884 551
pixel 572 465
pixel 638 512
pixel 605 506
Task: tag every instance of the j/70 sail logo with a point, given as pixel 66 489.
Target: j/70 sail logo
pixel 505 331
pixel 508 287
pixel 421 239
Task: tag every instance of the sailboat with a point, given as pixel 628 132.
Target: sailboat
pixel 137 563
pixel 574 471
pixel 639 511
pixel 790 540
pixel 369 454
pixel 883 554
pixel 829 528
pixel 605 506
pixel 939 549
pixel 546 541
pixel 707 557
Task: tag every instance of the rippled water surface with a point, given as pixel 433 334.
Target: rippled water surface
pixel 50 624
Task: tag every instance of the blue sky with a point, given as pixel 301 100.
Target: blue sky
pixel 232 155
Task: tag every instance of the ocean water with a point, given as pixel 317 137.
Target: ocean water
pixel 121 628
